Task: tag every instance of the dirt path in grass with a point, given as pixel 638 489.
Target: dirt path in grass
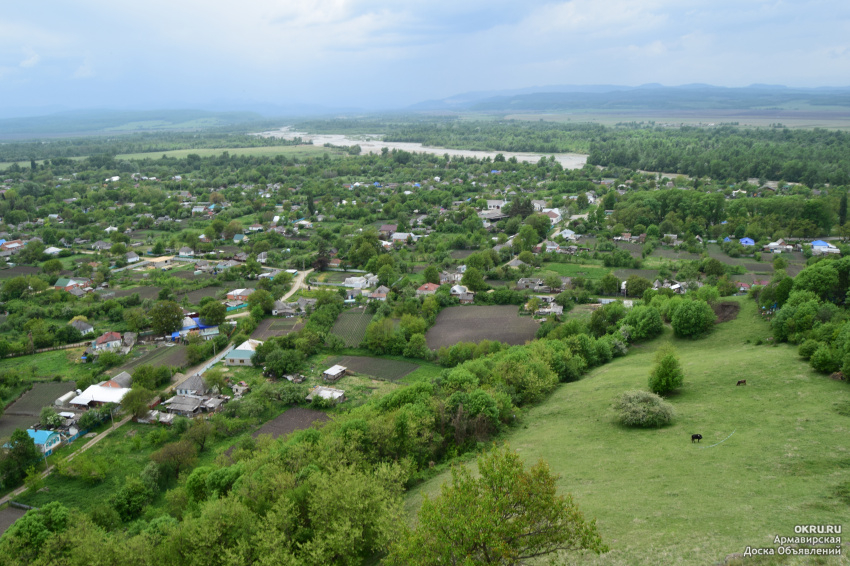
pixel 297 283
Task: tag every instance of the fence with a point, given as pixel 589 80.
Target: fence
pixel 41 350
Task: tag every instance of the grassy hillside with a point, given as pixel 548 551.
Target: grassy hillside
pixel 657 497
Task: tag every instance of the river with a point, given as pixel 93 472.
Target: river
pixel 373 144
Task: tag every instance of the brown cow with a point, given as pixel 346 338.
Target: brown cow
pixel 741 382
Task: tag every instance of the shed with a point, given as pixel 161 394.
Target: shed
pixel 337 395
pixel 334 373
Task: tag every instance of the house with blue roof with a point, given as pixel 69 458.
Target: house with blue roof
pixel 727 239
pixel 45 440
pixel 747 242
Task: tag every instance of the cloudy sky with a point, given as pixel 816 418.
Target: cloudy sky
pixel 377 53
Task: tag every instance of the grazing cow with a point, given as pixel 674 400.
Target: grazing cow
pixel 696 437
pixel 741 382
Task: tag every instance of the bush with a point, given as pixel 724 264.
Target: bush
pixel 667 373
pixel 823 360
pixel 692 319
pixel 808 348
pixel 643 409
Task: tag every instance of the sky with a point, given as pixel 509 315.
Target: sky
pixel 377 54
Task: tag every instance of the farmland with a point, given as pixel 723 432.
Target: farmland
pixel 41 395
pixel 64 363
pixel 351 326
pixel 296 418
pixel 473 324
pixel 276 327
pixel 389 370
pixel 589 271
pixel 162 355
pixel 196 296
pixel 769 448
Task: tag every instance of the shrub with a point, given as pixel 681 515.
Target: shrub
pixel 823 360
pixel 692 319
pixel 808 348
pixel 643 409
pixel 667 373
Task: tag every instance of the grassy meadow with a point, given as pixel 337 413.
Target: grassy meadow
pixel 773 455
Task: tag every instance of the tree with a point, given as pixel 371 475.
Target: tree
pixel 554 282
pixel 262 299
pixel 166 317
pixel 136 402
pixel 284 362
pixel 505 516
pixel 432 275
pixel 25 539
pixel 49 419
pixel 22 454
pixel 692 319
pixel 175 456
pixel 636 285
pixel 842 210
pixel 214 313
pixel 473 279
pixel 200 432
pixel 667 374
pixel 52 266
pixel 136 319
pixel 610 284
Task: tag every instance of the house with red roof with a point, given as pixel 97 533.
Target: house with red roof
pixel 107 341
pixel 427 289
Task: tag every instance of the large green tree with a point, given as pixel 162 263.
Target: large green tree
pixel 166 317
pixel 505 515
pixel 667 374
pixel 21 454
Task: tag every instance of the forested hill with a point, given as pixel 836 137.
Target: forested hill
pixel 724 152
pixel 653 97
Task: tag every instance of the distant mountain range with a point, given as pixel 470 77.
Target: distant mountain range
pixel 649 97
pixel 53 121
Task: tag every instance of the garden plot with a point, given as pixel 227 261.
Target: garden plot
pixel 389 370
pixel 473 324
pixel 351 325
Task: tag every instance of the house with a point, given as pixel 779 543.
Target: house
pixel 554 215
pixel 284 309
pixel 533 284
pixel 334 373
pixel 123 379
pixel 100 394
pixel 100 246
pixel 184 405
pixel 262 257
pixel 241 355
pixel 379 294
pixel 550 309
pixel 161 262
pixel 66 283
pixel 538 205
pixel 363 282
pixel 335 263
pixel 819 247
pixel 746 242
pixel 131 257
pixel 516 263
pixel 387 230
pixel 427 289
pixel 195 385
pixel 82 326
pixel 402 237
pixel 463 294
pixel 186 251
pixel 45 440
pixel 328 393
pixel 239 238
pixel 496 204
pixel 446 277
pixel 239 294
pixel 107 341
pixel 52 250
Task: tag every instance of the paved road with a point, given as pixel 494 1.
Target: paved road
pixel 71 456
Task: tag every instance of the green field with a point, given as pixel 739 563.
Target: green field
pixel 351 325
pixel 586 270
pixel 773 453
pixel 270 151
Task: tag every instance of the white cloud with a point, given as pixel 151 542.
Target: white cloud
pixel 30 61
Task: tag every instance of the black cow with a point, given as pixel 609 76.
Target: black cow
pixel 741 382
pixel 696 437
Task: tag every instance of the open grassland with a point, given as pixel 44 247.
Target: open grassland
pixel 473 324
pixel 586 270
pixel 270 151
pixel 390 370
pixel 64 363
pixel 351 325
pixel 773 453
